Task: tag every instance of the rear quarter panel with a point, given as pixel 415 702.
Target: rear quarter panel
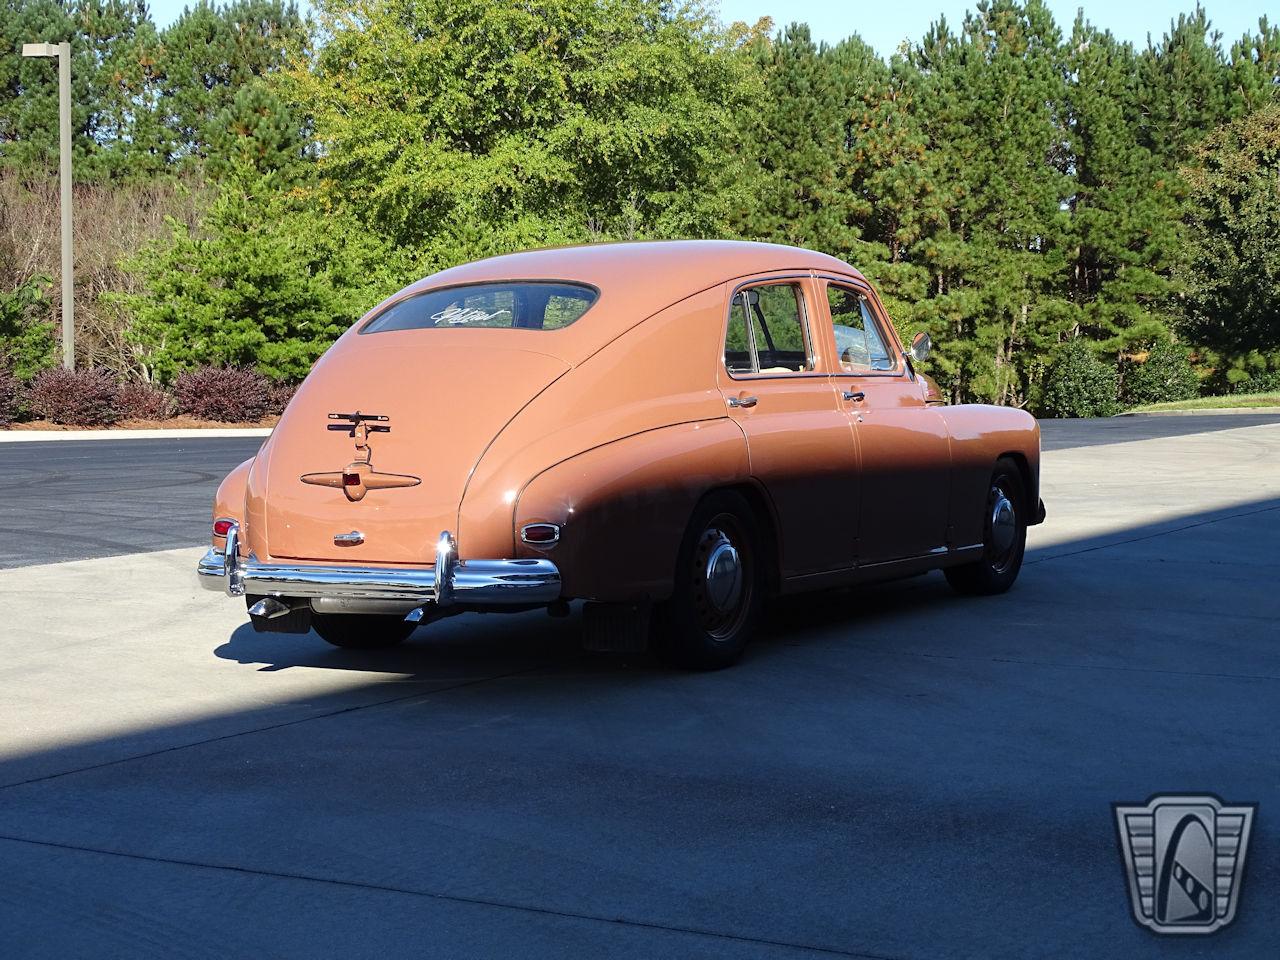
pixel 980 435
pixel 623 506
pixel 658 374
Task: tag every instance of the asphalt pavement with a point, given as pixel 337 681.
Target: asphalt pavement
pixel 893 772
pixel 99 498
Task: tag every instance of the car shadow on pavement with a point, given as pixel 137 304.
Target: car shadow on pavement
pixel 876 745
pixel 484 644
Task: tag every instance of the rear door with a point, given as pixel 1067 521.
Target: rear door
pixel 799 438
pixel 904 444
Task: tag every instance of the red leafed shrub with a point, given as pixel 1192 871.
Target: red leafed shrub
pixel 8 396
pixel 143 401
pixel 228 394
pixel 80 398
pixel 280 395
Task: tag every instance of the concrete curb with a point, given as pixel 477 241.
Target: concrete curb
pixel 1228 411
pixel 36 436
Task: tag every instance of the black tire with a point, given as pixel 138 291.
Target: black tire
pixel 709 619
pixel 361 631
pixel 1003 543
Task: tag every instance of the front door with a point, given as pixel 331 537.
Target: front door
pixel 906 450
pixel 799 438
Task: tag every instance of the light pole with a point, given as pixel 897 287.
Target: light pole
pixel 63 52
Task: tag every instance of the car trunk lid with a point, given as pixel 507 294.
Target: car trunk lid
pixel 443 405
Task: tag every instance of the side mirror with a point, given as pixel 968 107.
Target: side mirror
pixel 920 347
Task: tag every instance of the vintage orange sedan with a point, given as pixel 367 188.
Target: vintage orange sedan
pixel 671 432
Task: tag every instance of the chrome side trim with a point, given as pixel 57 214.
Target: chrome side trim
pixel 448 581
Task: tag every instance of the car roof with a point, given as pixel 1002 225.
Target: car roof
pixel 635 280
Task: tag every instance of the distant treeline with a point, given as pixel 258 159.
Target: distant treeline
pixel 1057 208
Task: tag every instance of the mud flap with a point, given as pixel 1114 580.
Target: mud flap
pixel 616 627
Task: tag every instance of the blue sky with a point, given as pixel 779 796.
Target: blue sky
pixel 886 23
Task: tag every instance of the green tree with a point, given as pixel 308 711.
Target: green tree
pixel 1182 87
pixel 112 44
pixel 259 131
pixel 1125 204
pixel 270 280
pixel 210 60
pixel 26 339
pixel 1232 273
pixel 462 128
pixel 997 254
pixel 797 138
pixel 1255 67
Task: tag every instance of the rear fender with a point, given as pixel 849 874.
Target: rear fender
pixel 623 507
pixel 228 502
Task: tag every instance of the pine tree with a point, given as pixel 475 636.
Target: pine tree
pixel 798 141
pixel 995 140
pixel 1124 208
pixel 210 54
pixel 1233 271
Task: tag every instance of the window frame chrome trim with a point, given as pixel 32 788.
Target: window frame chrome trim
pixel 880 316
pixel 811 355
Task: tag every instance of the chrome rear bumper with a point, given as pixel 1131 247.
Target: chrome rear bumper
pixel 449 581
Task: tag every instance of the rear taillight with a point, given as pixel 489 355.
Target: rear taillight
pixel 222 526
pixel 540 534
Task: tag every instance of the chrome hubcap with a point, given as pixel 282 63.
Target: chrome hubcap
pixel 723 572
pixel 1004 524
pixel 721 575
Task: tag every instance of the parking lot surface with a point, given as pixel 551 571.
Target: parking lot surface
pixel 891 772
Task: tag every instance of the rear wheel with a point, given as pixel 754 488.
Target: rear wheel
pixel 1004 536
pixel 715 604
pixel 361 631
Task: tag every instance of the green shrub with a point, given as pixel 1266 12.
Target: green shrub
pixel 1166 375
pixel 8 396
pixel 1258 383
pixel 26 339
pixel 1080 384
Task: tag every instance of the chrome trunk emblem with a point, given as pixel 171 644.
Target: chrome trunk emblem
pixel 358 477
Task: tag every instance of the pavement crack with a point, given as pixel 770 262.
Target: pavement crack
pixel 454 898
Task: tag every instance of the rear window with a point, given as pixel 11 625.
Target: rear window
pixel 522 305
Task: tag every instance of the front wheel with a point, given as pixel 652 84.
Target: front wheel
pixel 715 604
pixel 361 631
pixel 1004 536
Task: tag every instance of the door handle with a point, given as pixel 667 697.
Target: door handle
pixel 855 395
pixel 743 401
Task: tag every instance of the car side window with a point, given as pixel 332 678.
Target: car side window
pixel 768 332
pixel 859 342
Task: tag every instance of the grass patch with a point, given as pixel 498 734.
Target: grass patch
pixel 1214 403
